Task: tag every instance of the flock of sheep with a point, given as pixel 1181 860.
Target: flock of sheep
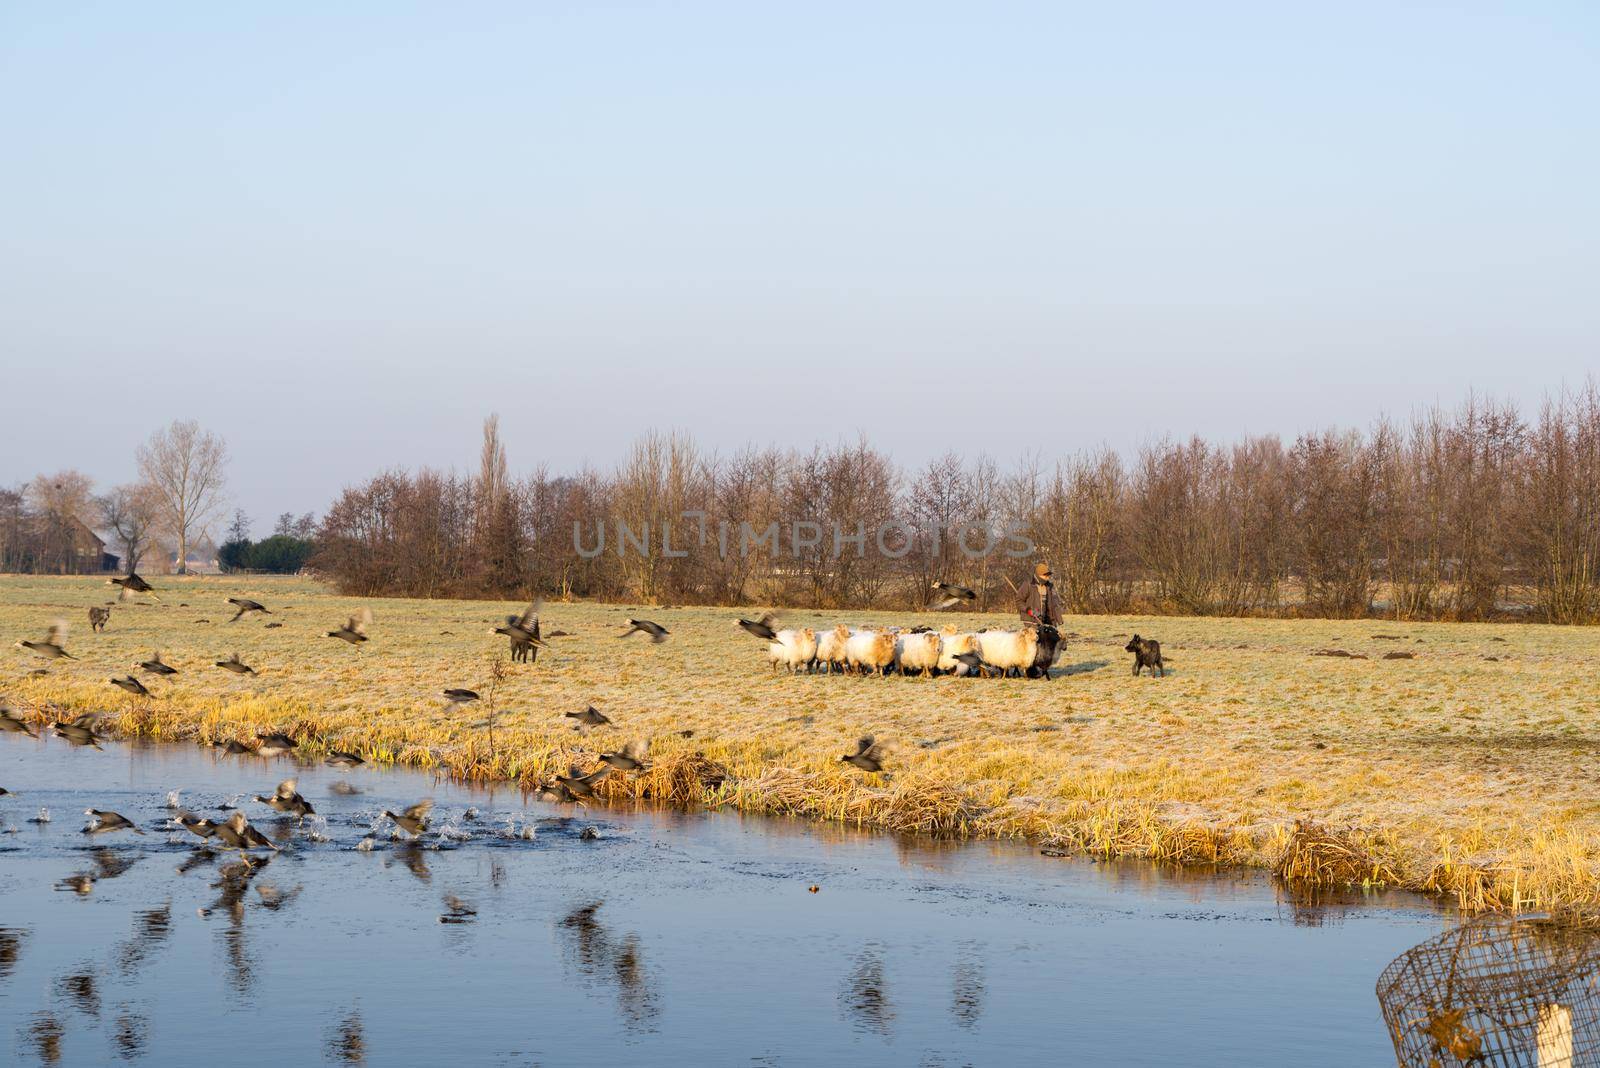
pixel 1029 651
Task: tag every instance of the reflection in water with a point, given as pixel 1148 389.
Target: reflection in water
pixel 415 860
pixel 967 989
pixel 110 863
pixel 931 854
pixel 131 1036
pixel 44 1035
pixel 80 989
pixel 587 939
pixel 10 949
pixel 346 1043
pixel 1496 991
pixel 1325 906
pixel 633 991
pixel 232 885
pixel 150 929
pixel 864 1001
pixel 197 856
pixel 274 899
pixel 594 954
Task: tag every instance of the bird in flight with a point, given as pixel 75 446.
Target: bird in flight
pixel 950 594
pixel 50 648
pixel 131 585
pixel 131 684
pixel 761 628
pixel 868 755
pixel 354 631
pixel 156 666
pixel 657 632
pixel 245 606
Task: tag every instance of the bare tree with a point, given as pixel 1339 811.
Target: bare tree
pixel 60 501
pixel 184 466
pixel 1466 514
pixel 129 513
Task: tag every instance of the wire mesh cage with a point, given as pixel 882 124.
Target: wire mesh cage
pixel 1496 992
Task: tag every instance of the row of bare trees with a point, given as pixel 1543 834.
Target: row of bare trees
pixel 1469 513
pixel 48 525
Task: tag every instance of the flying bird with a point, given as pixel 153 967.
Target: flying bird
pixel 245 606
pixel 132 685
pixel 232 747
pixel 50 648
pixel 413 820
pixel 523 628
pixel 235 665
pixel 105 820
pixel 579 784
pixel 657 632
pixel 235 832
pixel 460 696
pixel 555 793
pixel 951 594
pixel 589 717
pixel 354 631
pixel 973 662
pixel 275 744
pixel 868 755
pixel 80 732
pixel 196 825
pixel 131 585
pixel 633 757
pixel 10 721
pixel 761 628
pixel 156 666
pixel 286 798
pixel 338 759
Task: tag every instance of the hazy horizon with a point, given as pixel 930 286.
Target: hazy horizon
pixel 340 238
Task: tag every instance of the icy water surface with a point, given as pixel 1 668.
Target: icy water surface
pixel 669 938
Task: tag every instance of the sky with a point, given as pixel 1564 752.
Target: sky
pixel 341 235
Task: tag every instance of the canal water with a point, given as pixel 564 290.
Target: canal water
pixel 523 933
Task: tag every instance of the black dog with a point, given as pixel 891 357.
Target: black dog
pixel 1050 644
pixel 1146 654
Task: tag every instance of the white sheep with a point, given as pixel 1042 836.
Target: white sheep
pixel 1009 650
pixel 831 648
pixel 953 643
pixel 870 650
pixel 794 649
pixel 917 652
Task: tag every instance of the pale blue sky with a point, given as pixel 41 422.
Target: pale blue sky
pixel 342 234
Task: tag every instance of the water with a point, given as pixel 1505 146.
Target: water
pixel 669 938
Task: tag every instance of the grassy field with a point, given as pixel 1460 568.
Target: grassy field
pixel 1467 769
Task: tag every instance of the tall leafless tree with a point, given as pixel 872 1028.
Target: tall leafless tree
pixel 185 469
pixel 129 514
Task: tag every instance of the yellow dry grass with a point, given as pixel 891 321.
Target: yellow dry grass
pixel 1468 769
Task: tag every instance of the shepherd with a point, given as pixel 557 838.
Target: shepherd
pixel 1038 604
